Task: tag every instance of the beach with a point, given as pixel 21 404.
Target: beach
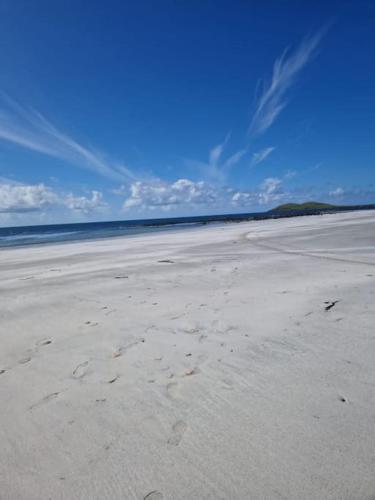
pixel 230 361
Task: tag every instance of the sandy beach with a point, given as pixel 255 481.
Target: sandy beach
pixel 227 362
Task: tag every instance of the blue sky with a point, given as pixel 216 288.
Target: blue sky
pixel 120 110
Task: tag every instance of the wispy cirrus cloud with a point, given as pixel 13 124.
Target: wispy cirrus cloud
pixel 272 99
pixel 218 165
pixel 29 129
pixel 234 158
pixel 289 174
pixel 261 156
pixel 217 151
pixel 269 104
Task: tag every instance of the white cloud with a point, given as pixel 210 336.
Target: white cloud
pixel 261 155
pixel 29 129
pixel 163 195
pixel 22 198
pixel 186 194
pixel 269 192
pixel 286 68
pixel 244 199
pixel 16 198
pixel 271 186
pixel 338 192
pixel 84 204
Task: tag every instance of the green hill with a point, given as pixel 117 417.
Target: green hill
pixel 309 205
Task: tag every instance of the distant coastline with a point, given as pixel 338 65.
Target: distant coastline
pixel 59 233
pixel 314 208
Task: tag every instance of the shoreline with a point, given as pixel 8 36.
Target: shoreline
pixel 148 225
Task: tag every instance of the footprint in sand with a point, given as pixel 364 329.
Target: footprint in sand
pixel 45 400
pixel 24 360
pixel 202 358
pixel 153 495
pixel 178 430
pixel 123 349
pixel 43 342
pixel 80 370
pixel 190 331
pixel 227 384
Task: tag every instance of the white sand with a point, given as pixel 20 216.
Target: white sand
pixel 217 376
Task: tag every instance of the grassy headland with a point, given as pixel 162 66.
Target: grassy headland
pixel 309 205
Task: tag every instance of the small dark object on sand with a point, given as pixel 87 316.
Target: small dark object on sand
pixel 166 261
pixel 121 277
pixel 330 305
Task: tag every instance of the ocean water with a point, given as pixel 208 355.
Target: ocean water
pixel 57 233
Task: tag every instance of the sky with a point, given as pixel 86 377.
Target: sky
pixel 126 110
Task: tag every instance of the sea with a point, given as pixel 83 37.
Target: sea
pixel 58 233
